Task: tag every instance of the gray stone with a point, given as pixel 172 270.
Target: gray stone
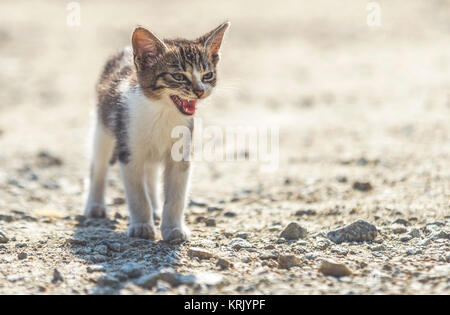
pixel 22 255
pixel 168 275
pixel 238 243
pixel 132 270
pixel 294 231
pixel 358 231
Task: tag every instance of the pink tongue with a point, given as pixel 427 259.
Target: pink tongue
pixel 189 106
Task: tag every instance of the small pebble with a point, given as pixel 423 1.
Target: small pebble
pixel 401 222
pixel 358 231
pixel 242 235
pixel 57 277
pixel 414 233
pixel 378 248
pixel 210 221
pixel 3 238
pixel 405 238
pixel 230 214
pixel 398 229
pixel 294 231
pixel 224 263
pixel 22 255
pixel 300 213
pixel 214 208
pixel 288 261
pixel 238 243
pixel 413 251
pixel 199 253
pixel 331 268
pixel 362 186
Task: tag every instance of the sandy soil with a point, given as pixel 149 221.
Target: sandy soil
pixel 354 104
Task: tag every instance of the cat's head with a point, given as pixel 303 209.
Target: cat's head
pixel 183 71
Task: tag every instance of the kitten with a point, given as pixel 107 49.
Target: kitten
pixel 143 94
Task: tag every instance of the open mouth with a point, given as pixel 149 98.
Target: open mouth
pixel 185 106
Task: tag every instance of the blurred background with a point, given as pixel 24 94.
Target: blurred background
pixel 360 92
pixel 339 88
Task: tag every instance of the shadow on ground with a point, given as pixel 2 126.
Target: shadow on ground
pixel 117 262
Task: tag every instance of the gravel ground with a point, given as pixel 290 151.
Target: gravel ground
pixel 360 202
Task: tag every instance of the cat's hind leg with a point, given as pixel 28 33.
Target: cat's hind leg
pixel 101 155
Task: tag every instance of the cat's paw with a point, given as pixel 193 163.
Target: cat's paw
pixel 142 230
pixel 174 235
pixel 95 210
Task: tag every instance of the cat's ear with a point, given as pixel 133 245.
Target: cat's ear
pixel 146 46
pixel 213 40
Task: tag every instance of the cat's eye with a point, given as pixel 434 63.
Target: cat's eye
pixel 208 76
pixel 179 77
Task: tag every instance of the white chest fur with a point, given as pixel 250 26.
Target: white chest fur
pixel 150 125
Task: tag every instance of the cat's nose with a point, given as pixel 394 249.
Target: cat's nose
pixel 199 93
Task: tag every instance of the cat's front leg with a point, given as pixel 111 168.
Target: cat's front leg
pixel 141 218
pixel 176 178
pixel 152 189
